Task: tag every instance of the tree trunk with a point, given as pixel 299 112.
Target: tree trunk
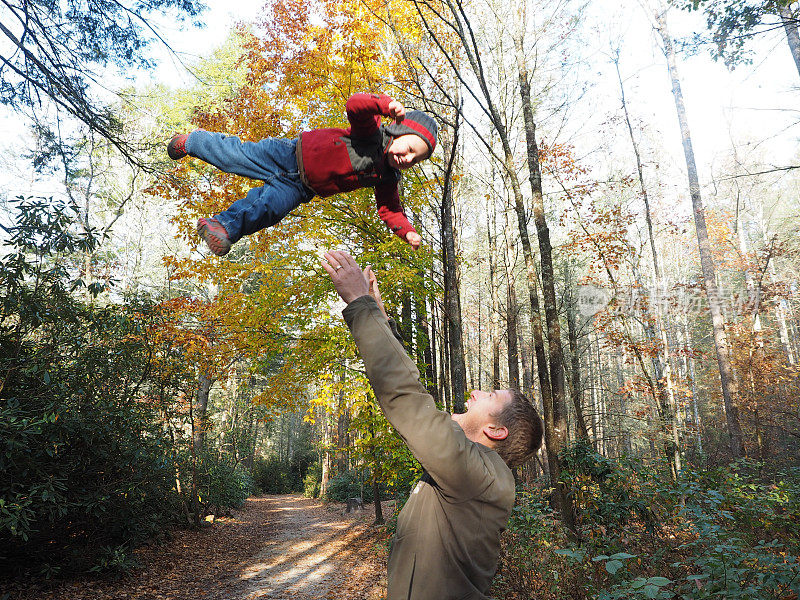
pixel 452 300
pixel 251 457
pixel 424 354
pixel 326 455
pixel 790 25
pixel 511 323
pixel 690 375
pixel 434 357
pixel 204 383
pixel 494 285
pixel 727 380
pixel 342 435
pixel 527 367
pixel 557 436
pixel 595 375
pixel 574 352
pixel 376 482
pixel 407 323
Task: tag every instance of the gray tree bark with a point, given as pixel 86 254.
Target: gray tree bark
pixel 557 438
pixel 494 284
pixel 789 19
pixel 727 380
pixel 660 360
pixel 452 301
pixel 204 383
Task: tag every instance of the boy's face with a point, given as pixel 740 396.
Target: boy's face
pixel 406 150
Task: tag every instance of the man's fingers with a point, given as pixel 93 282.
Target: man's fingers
pixel 345 259
pixel 331 264
pixel 328 269
pixel 349 260
pixel 338 260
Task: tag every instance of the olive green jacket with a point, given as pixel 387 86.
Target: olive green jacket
pixel 448 533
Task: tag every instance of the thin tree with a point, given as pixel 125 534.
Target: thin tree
pixel 727 379
pixel 660 360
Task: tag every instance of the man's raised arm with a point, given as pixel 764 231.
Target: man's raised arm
pixel 455 463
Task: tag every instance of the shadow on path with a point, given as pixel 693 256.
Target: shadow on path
pixel 313 554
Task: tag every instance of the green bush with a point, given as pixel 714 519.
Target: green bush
pixel 312 481
pixel 610 496
pixel 223 484
pixel 274 476
pixel 78 476
pixel 86 473
pixel 723 533
pixel 347 485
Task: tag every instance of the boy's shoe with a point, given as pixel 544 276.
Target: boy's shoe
pixel 176 148
pixel 214 235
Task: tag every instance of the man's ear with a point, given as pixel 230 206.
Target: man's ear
pixel 495 432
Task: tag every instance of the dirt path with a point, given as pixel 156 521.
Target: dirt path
pixel 276 547
pixel 313 553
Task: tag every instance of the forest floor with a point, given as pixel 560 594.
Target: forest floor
pixel 275 547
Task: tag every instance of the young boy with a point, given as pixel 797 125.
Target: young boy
pixel 322 162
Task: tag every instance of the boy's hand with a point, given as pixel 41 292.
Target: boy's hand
pixel 348 279
pixel 413 239
pixel 397 111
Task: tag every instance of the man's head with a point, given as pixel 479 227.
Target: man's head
pixel 414 139
pixel 505 421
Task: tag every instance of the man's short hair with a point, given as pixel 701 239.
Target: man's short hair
pixel 524 430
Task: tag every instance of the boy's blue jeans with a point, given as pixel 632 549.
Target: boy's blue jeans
pixel 271 160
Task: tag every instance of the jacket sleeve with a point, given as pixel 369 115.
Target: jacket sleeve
pixel 364 113
pixel 390 210
pixel 455 463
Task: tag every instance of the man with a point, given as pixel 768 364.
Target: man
pixel 448 533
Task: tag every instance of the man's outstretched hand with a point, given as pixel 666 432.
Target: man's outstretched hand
pixel 373 289
pixel 348 278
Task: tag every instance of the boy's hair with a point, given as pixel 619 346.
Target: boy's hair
pixel 524 430
pixel 417 123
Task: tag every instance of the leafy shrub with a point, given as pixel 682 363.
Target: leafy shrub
pixel 610 495
pixel 725 533
pixel 78 476
pixel 528 566
pixel 86 473
pixel 312 481
pixel 347 485
pixel 274 476
pixel 223 484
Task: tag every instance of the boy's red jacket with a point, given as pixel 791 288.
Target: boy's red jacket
pixel 336 160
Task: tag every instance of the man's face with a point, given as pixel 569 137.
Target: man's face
pixel 483 408
pixel 406 150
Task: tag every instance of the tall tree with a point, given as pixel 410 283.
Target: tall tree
pixel 452 297
pixel 726 375
pixel 653 318
pixel 557 414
